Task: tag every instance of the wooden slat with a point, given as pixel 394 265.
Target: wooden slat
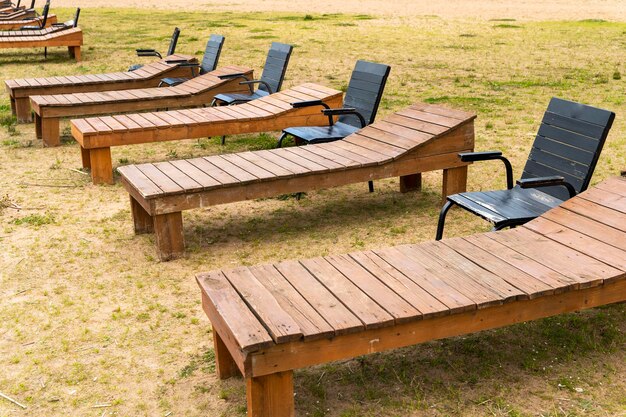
pixel 262 303
pixel 245 327
pixel 320 298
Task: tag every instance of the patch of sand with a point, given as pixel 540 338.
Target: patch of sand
pixel 456 9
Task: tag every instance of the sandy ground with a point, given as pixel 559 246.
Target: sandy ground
pixel 456 9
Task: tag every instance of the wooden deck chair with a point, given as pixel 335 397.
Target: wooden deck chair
pixel 359 109
pixel 8 7
pixel 18 24
pixel 561 163
pixel 44 19
pixel 209 61
pixel 153 52
pixel 19 12
pixel 66 34
pixel 270 82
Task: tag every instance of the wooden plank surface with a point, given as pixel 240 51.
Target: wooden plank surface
pixel 369 291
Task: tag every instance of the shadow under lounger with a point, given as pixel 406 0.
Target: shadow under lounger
pixel 71 38
pixel 418 139
pixel 195 92
pixel 97 135
pixel 269 320
pixel 150 75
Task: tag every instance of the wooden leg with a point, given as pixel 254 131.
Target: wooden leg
pixel 170 241
pixel 225 366
pixel 50 131
pixel 86 157
pixel 141 219
pixel 13 109
pixel 22 109
pixel 454 181
pixel 37 126
pixel 411 183
pixel 74 52
pixel 101 165
pixel 271 395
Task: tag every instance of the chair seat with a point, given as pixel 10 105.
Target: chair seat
pixel 170 82
pixel 321 134
pixel 506 208
pixel 240 98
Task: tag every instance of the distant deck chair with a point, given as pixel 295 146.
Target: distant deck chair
pixel 270 82
pixel 62 26
pixel 561 163
pixel 360 106
pixel 209 61
pixel 153 52
pixel 43 22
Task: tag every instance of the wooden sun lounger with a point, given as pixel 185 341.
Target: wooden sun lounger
pixel 271 319
pixel 48 30
pixel 19 14
pixel 72 38
pixel 149 75
pixel 195 92
pixel 415 140
pixel 16 24
pixel 97 135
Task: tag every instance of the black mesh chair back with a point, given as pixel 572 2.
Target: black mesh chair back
pixel 173 42
pixel 212 54
pixel 568 144
pixel 365 90
pixel 275 66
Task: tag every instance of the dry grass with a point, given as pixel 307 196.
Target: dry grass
pixel 88 316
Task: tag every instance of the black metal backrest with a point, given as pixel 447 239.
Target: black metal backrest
pixel 212 53
pixel 173 42
pixel 365 90
pixel 76 17
pixel 276 66
pixel 569 142
pixel 44 14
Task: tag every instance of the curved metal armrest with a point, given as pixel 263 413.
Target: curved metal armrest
pixel 551 181
pixel 234 75
pixel 490 156
pixel 312 103
pixel 345 111
pixel 252 82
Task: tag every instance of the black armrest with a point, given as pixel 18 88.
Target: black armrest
pixel 233 75
pixel 490 156
pixel 551 181
pixel 345 111
pixel 148 52
pixel 309 103
pixel 479 156
pixel 184 64
pixel 252 82
pixel 30 28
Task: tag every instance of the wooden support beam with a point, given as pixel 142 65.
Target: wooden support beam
pixel 454 182
pixel 271 395
pixel 22 109
pixel 170 240
pixel 142 221
pixel 85 157
pixel 101 165
pixel 410 183
pixel 225 365
pixel 50 131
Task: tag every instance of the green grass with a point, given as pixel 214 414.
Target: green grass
pixel 103 321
